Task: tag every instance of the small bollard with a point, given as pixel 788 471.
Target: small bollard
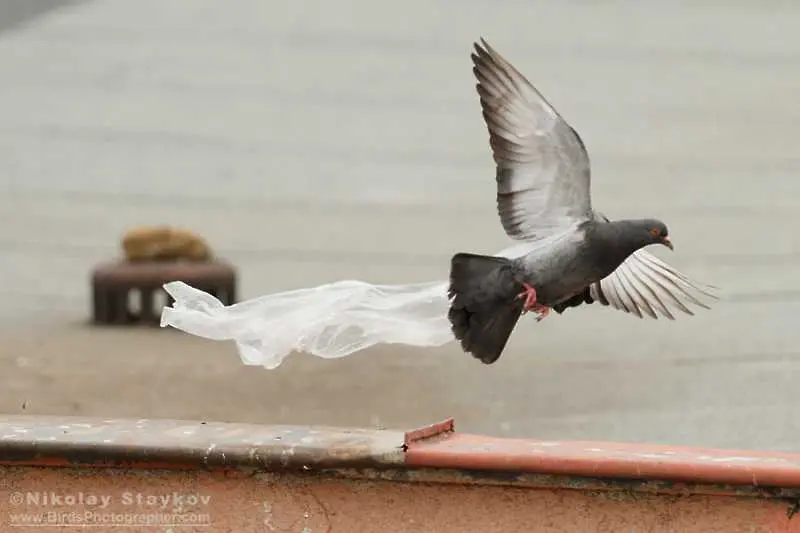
pixel 114 283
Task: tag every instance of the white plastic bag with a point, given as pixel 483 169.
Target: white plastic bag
pixel 330 321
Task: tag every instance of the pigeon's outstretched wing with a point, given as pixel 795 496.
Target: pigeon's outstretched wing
pixel 645 285
pixel 543 175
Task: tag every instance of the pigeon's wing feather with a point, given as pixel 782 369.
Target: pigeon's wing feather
pixel 543 175
pixel 645 285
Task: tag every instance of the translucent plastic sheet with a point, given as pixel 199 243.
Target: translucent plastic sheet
pixel 330 321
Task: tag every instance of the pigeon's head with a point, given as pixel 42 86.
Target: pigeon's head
pixel 657 232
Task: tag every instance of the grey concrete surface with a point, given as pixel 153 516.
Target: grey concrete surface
pixel 315 141
pixel 17 13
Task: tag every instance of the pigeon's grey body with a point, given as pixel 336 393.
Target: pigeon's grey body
pixel 570 254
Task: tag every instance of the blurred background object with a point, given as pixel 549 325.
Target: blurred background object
pixel 163 243
pixel 317 141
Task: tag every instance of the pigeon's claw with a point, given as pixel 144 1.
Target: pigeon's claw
pixel 530 298
pixel 541 311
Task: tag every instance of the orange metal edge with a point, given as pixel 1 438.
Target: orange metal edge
pixel 176 444
pixel 448 449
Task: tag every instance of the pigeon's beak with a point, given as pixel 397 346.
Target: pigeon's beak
pixel 666 242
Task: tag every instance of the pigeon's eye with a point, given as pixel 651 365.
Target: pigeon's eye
pixel 655 232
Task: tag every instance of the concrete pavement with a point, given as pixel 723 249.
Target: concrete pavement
pixel 314 142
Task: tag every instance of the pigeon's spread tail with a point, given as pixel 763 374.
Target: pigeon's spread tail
pixel 483 307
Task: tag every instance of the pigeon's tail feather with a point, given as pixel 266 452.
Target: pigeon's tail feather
pixel 483 304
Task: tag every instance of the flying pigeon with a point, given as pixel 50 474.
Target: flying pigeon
pixel 572 254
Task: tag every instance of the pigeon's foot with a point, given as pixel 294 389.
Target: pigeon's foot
pixel 529 294
pixel 542 312
pixel 530 298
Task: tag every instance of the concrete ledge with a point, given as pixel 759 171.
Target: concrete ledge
pixel 183 501
pixel 183 444
pixel 242 477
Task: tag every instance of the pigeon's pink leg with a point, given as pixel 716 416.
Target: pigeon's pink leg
pixel 531 304
pixel 530 298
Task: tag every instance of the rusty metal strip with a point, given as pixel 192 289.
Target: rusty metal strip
pixel 175 444
pixel 607 460
pixel 432 430
pixel 178 444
